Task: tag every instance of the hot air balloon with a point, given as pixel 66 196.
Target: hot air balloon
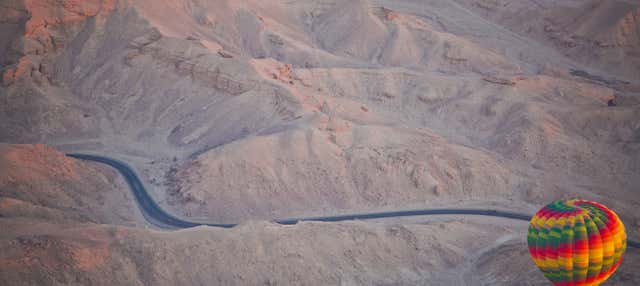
pixel 576 242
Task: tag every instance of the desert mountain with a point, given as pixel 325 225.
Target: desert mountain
pixel 233 111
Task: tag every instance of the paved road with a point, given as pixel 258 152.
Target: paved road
pixel 159 217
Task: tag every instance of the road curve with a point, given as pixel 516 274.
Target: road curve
pixel 159 217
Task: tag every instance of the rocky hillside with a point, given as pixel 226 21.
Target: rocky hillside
pixel 254 109
pixel 251 110
pixel 600 34
pixel 39 182
pixel 49 238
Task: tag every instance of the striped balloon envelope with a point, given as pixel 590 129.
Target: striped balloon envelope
pixel 576 242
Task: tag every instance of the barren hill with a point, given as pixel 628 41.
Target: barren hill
pixel 251 110
pixel 49 238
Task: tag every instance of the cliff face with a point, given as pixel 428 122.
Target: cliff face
pixel 40 31
pixel 40 42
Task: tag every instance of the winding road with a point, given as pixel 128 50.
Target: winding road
pixel 160 218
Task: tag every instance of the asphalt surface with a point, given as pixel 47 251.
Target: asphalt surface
pixel 159 217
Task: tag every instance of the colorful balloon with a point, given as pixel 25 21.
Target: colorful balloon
pixel 576 242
